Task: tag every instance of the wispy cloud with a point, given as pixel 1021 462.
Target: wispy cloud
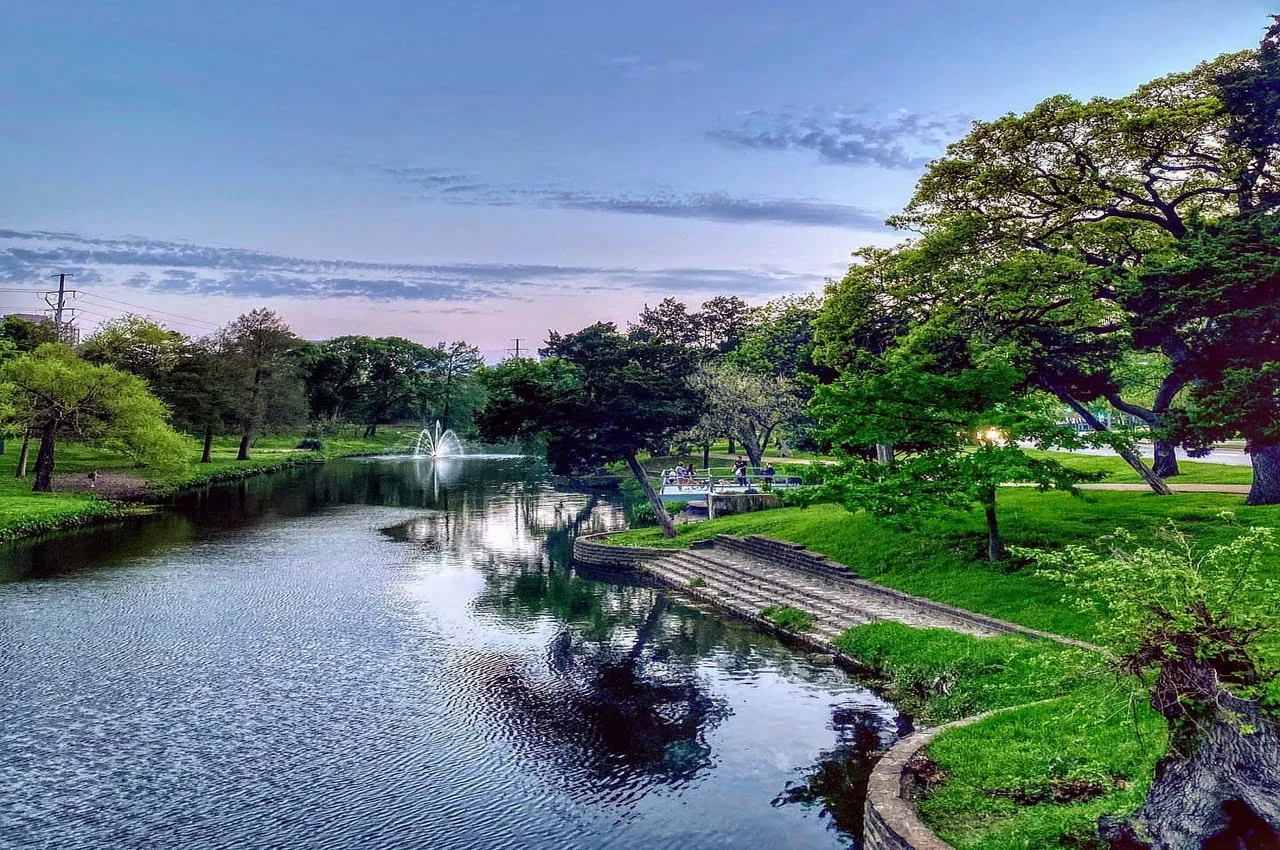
pixel 642 67
pixel 702 206
pixel 185 268
pixel 849 137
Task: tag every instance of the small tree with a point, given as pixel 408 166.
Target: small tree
pixel 257 350
pixel 957 429
pixel 56 395
pixel 751 406
pixel 599 396
pixel 1199 619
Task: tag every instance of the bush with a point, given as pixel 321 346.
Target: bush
pixel 311 444
pixel 792 619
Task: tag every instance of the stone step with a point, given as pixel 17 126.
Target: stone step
pixel 818 599
pixel 835 620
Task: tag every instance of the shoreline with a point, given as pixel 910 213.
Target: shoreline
pixel 150 497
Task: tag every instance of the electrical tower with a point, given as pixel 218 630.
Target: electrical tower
pixel 515 352
pixel 57 301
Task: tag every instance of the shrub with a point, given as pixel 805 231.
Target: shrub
pixel 792 619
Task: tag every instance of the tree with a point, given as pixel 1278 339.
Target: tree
pixel 721 322
pixel 1217 293
pixel 135 344
pixel 1199 619
pixel 56 395
pixel 1106 182
pixel 26 335
pixel 750 405
pixel 456 387
pixel 957 423
pixel 397 378
pixel 201 394
pixel 671 322
pixel 599 396
pixel 257 349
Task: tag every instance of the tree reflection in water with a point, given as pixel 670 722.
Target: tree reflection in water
pixel 837 781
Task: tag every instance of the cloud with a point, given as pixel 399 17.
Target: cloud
pixel 704 206
pixel 902 139
pixel 640 67
pixel 183 268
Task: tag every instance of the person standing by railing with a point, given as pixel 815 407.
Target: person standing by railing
pixel 740 471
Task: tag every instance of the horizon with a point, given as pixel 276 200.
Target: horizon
pixel 485 174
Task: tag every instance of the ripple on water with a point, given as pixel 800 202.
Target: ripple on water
pixel 355 657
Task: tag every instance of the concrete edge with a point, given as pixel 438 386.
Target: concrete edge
pixel 593 544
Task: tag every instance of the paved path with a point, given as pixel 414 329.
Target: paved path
pixel 1177 488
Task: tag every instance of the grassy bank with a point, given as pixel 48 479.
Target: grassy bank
pixel 942 558
pixel 24 513
pixel 1080 745
pixel 1083 743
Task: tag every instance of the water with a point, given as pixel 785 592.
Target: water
pixel 397 654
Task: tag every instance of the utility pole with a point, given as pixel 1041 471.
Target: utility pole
pixel 515 352
pixel 60 304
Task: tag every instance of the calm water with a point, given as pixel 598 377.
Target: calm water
pixel 383 654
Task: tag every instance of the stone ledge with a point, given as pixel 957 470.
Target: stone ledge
pixel 592 549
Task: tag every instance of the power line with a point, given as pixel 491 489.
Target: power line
pixel 122 313
pixel 152 310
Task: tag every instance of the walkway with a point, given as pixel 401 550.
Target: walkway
pixel 1242 489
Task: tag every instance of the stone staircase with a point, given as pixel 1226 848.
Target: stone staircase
pixel 742 581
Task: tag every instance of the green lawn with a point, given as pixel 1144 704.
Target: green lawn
pixel 942 558
pixel 1083 743
pixel 23 512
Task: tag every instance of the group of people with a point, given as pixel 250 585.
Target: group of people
pixel 682 476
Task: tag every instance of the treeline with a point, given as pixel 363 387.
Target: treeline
pixel 1117 254
pixel 134 384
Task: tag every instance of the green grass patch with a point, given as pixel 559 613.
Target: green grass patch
pixel 24 513
pixel 942 558
pixel 1119 472
pixel 786 617
pixel 1072 744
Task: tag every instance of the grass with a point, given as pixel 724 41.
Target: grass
pixel 1118 472
pixel 786 617
pixel 24 513
pixel 1076 744
pixel 942 558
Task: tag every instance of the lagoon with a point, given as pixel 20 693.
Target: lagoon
pixel 395 653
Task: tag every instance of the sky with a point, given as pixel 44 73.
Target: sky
pixel 488 171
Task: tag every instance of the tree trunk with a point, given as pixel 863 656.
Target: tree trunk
pixel 732 450
pixel 44 462
pixel 1266 475
pixel 206 455
pixel 1154 481
pixel 243 454
pixel 706 455
pixel 655 501
pixel 995 545
pixel 21 471
pixel 370 430
pixel 1165 459
pixel 1219 792
pixel 754 453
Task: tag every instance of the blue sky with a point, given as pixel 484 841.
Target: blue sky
pixel 487 170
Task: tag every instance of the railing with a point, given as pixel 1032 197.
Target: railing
pixel 711 478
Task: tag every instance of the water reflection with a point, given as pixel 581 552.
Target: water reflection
pixel 374 654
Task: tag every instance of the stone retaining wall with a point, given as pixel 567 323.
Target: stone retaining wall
pixel 728 504
pixel 784 552
pixel 591 549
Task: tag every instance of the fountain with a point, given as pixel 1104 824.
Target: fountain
pixel 437 444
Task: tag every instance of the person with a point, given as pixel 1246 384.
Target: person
pixel 768 473
pixel 93 479
pixel 740 471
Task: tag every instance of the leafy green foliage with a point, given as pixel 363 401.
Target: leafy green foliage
pixel 54 393
pixel 786 617
pixel 1218 603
